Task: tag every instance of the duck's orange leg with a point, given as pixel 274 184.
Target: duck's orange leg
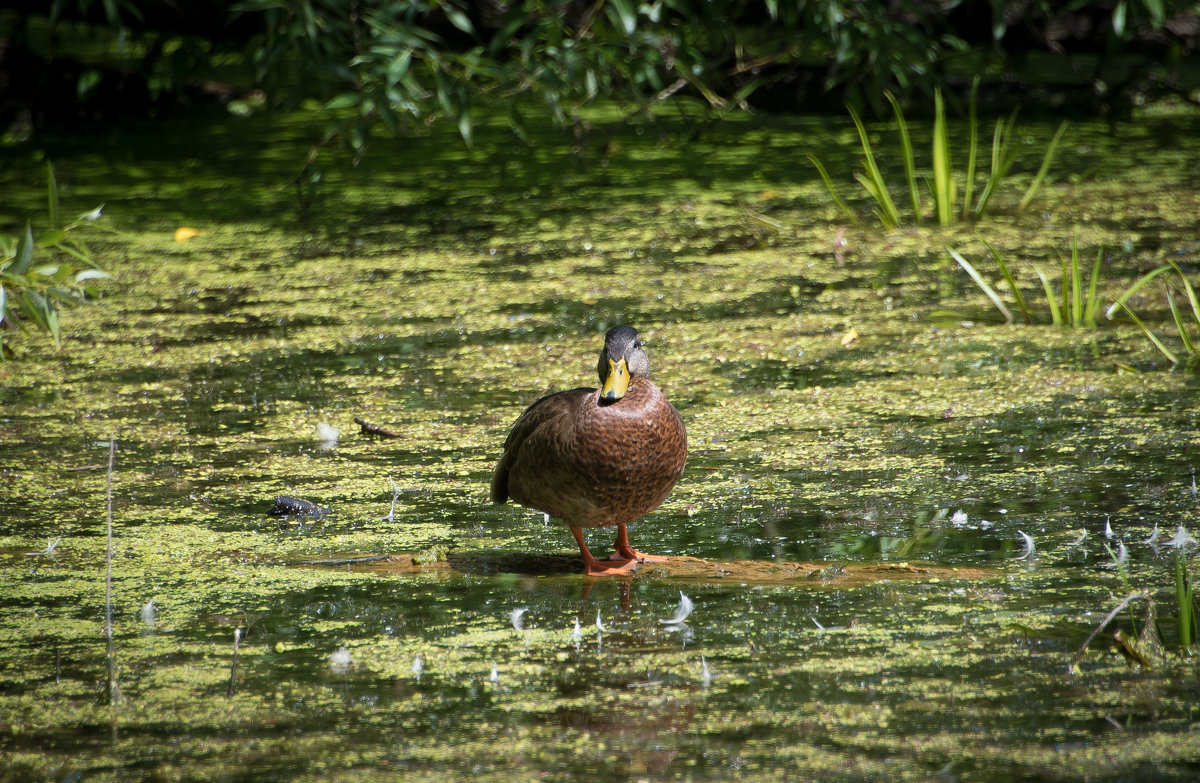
pixel 595 567
pixel 627 552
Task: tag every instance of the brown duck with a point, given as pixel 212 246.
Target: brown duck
pixel 598 457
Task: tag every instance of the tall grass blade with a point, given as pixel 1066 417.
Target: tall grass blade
pixel 1040 177
pixel 1093 301
pixel 943 179
pixel 888 213
pixel 878 191
pixel 983 285
pixel 1076 284
pixel 1065 287
pixel 1184 601
pixel 1002 159
pixel 1051 299
pixel 972 151
pixel 1183 332
pixel 1172 358
pixel 1012 283
pixel 1133 289
pixel 1191 293
pixel 833 190
pixel 910 162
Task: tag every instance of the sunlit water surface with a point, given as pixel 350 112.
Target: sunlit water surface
pixel 858 407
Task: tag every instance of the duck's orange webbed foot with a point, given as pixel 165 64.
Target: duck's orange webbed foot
pixel 629 553
pixel 594 567
pixel 626 552
pixel 621 568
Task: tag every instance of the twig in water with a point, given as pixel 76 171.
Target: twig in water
pixel 114 688
pixel 1073 668
pixel 374 429
pixel 237 641
pixel 391 515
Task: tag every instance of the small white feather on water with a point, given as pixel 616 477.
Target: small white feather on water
pixel 518 615
pixel 327 435
pixel 681 612
pixel 49 550
pixel 1182 538
pixel 340 660
pixel 1153 539
pixel 1029 546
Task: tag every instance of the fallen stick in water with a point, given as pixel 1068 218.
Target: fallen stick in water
pixel 374 429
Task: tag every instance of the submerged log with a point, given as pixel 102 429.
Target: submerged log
pixel 288 506
pixel 681 567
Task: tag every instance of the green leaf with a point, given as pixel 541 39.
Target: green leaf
pixel 833 190
pixel 943 179
pixel 1183 332
pixel 624 16
pixel 1156 11
pixel 51 318
pixel 873 180
pixel 344 101
pixel 910 163
pixel 1118 19
pixel 1012 283
pixel 1133 289
pixel 983 285
pixel 1051 299
pixel 459 19
pixel 24 257
pixel 463 109
pixel 972 152
pixel 1191 293
pixel 50 238
pixel 1171 357
pixel 1047 159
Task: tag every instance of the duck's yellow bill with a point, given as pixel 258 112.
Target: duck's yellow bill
pixel 616 382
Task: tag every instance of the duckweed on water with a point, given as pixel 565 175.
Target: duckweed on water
pixel 834 417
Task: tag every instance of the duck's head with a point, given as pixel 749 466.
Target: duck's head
pixel 621 360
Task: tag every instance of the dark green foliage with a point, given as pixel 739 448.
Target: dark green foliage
pixel 396 63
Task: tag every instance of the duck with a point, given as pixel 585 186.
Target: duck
pixel 598 457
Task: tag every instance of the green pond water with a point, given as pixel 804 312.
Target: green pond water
pixel 849 406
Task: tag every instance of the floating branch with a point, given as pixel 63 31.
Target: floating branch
pixel 374 429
